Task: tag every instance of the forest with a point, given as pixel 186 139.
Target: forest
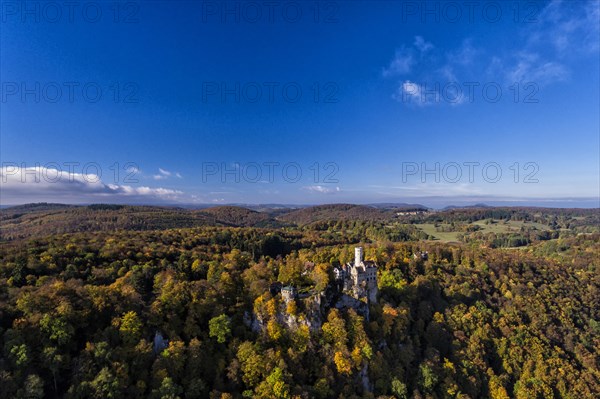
pixel 148 302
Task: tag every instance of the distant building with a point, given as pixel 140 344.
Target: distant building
pixel 406 213
pixel 358 277
pixel 289 293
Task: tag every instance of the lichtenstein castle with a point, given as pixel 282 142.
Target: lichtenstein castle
pixel 359 277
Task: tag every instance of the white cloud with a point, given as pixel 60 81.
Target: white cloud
pixel 39 184
pixel 561 34
pixel 464 55
pixel 406 57
pixel 569 26
pixel 133 170
pixel 447 71
pixel 422 45
pixel 401 64
pixel 165 174
pixel 529 68
pixel 436 70
pixel 563 31
pixel 322 189
pixel 413 93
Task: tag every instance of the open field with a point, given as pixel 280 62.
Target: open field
pixel 486 226
pixel 430 229
pixel 508 226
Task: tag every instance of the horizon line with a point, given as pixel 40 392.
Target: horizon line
pixel 582 203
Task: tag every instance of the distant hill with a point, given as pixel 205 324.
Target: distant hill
pixel 40 206
pixel 43 219
pixel 399 206
pixel 336 212
pixel 238 216
pixel 466 206
pixel 37 220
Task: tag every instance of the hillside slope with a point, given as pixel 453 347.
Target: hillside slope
pixel 38 220
pixel 32 221
pixel 239 217
pixel 336 212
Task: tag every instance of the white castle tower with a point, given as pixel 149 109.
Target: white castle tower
pixel 359 277
pixel 358 256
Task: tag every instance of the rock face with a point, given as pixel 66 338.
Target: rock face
pixel 160 343
pixel 364 378
pixel 315 308
pixel 348 302
pixel 311 315
pixel 354 287
pixel 314 312
pixel 252 322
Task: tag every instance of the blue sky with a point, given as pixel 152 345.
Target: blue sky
pixel 229 102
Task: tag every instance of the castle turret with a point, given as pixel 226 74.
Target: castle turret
pixel 358 256
pixel 289 293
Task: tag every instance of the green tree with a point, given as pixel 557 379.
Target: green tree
pixel 168 389
pixel 34 387
pixel 57 328
pixel 105 385
pixel 19 355
pixel 130 328
pixel 252 364
pixel 274 386
pixel 428 379
pixel 399 389
pixel 220 327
